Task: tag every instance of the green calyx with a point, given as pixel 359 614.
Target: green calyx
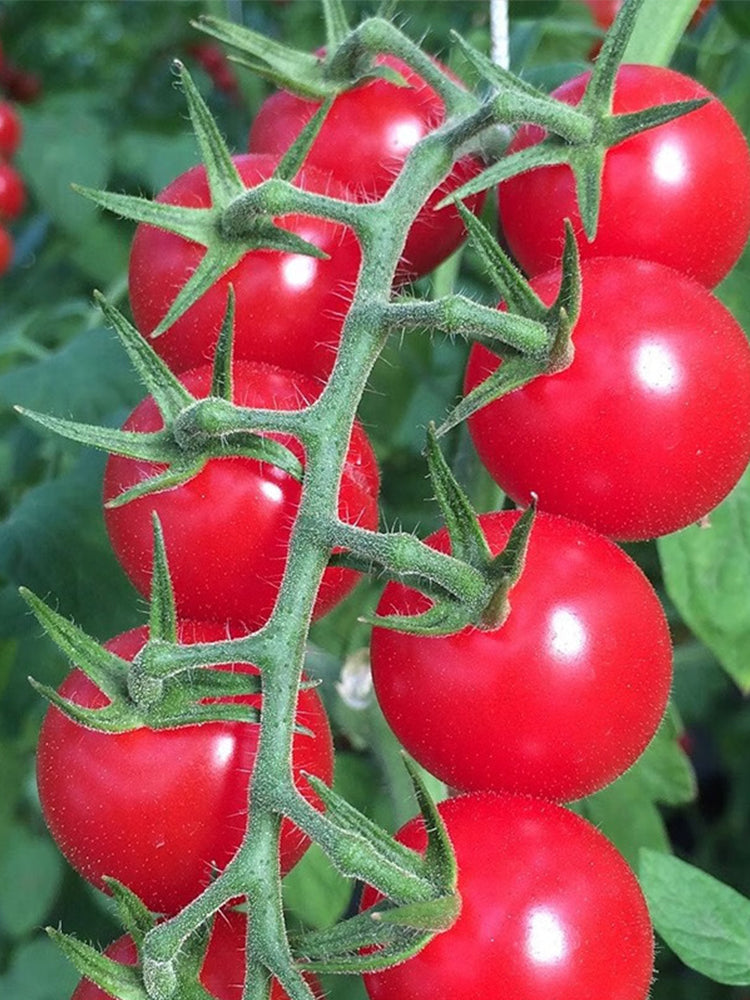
pixel 577 136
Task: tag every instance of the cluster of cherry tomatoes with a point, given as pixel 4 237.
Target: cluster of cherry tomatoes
pixel 12 190
pixel 645 432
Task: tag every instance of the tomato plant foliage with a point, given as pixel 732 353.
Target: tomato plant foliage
pixel 646 431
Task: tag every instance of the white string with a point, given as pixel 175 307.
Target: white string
pixel 499 33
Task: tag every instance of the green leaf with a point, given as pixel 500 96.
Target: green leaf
pixel 314 892
pixel 664 769
pixel 155 158
pixel 38 971
pixel 706 923
pixel 64 122
pixel 31 871
pixel 37 538
pixel 658 30
pixel 89 376
pixel 627 816
pixel 707 575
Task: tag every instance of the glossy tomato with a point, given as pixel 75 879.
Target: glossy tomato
pixel 10 130
pixel 160 810
pixel 649 428
pixel 223 970
pixel 290 307
pixel 678 194
pixel 364 141
pixel 548 909
pixel 560 699
pixel 12 192
pixel 227 529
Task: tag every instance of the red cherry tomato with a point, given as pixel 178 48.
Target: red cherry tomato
pixel 10 130
pixel 12 192
pixel 160 810
pixel 678 194
pixel 6 250
pixel 363 143
pixel 227 529
pixel 649 428
pixel 560 699
pixel 223 970
pixel 290 307
pixel 605 11
pixel 549 909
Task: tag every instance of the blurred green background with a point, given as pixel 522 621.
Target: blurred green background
pixel 107 114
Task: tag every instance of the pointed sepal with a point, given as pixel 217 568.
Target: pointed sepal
pixel 467 540
pixel 134 915
pixel 224 181
pixel 506 568
pixel 221 375
pixel 103 668
pixel 162 610
pixel 112 977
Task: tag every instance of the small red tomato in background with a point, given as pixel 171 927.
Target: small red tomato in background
pixel 363 143
pixel 223 971
pixel 605 11
pixel 549 909
pixel 227 529
pixel 290 308
pixel 12 192
pixel 678 194
pixel 6 250
pixel 160 810
pixel 10 130
pixel 649 428
pixel 560 699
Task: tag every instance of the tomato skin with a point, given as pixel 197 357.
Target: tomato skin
pixel 223 969
pixel 548 909
pixel 678 194
pixel 158 809
pixel 558 701
pixel 276 293
pixel 6 250
pixel 12 193
pixel 649 428
pixel 10 130
pixel 227 529
pixel 363 143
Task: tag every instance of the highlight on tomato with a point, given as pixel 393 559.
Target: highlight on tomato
pixel 367 135
pixel 162 810
pixel 290 307
pixel 549 908
pixel 649 428
pixel 677 194
pixel 227 529
pixel 561 698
